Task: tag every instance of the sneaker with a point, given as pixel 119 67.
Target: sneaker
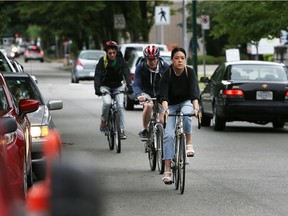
pixel 103 126
pixel 123 135
pixel 143 134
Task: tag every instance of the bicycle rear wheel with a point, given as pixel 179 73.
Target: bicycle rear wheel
pixel 182 163
pixel 110 132
pixel 159 146
pixel 176 163
pixel 151 149
pixel 117 131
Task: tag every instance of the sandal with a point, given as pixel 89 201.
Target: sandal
pixel 167 178
pixel 189 150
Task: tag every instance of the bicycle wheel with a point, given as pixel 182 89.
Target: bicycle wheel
pixel 182 163
pixel 159 146
pixel 176 163
pixel 117 131
pixel 110 132
pixel 151 149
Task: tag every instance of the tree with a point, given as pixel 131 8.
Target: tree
pixel 249 21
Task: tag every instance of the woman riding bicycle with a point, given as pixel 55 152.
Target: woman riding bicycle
pixel 178 90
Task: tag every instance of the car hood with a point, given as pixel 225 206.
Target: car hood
pixel 40 117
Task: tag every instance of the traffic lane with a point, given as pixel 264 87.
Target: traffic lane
pixel 239 170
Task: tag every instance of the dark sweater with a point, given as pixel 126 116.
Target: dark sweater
pixel 177 89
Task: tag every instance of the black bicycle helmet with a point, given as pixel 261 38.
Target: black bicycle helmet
pixel 151 51
pixel 111 45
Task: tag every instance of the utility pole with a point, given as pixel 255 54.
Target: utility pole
pixel 194 38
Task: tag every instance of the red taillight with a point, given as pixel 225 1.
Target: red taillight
pixel 233 93
pixel 26 52
pixel 42 52
pixel 286 96
pixel 79 63
pixel 131 77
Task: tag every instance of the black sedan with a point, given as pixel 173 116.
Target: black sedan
pixel 251 91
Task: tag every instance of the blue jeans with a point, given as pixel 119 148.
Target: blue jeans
pixel 169 135
pixel 107 102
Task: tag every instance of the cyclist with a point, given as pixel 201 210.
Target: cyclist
pixel 147 76
pixel 108 77
pixel 178 89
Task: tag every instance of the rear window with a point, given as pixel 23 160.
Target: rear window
pixel 258 73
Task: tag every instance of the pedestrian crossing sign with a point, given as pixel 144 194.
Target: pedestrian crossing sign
pixel 162 15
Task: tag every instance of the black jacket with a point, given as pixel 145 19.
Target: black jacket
pixel 110 73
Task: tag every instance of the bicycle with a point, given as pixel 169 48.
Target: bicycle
pixel 154 141
pixel 113 124
pixel 178 163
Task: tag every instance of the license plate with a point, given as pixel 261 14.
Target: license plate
pixel 264 95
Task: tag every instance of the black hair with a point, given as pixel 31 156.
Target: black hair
pixel 176 49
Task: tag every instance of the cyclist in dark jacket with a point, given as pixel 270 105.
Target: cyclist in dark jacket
pixel 147 77
pixel 108 77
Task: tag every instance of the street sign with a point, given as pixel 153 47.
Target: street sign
pixel 119 21
pixel 205 22
pixel 162 15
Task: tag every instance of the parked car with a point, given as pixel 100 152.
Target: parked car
pixel 85 64
pixel 34 53
pixel 127 48
pixel 18 143
pixel 23 86
pixel 135 58
pixel 5 63
pixel 252 91
pixel 17 66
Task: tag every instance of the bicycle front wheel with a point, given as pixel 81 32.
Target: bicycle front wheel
pixel 159 148
pixel 151 149
pixel 182 163
pixel 110 132
pixel 117 131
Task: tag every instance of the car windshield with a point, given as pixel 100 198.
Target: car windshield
pixel 3 100
pixel 258 72
pixel 23 88
pixel 91 55
pixel 4 66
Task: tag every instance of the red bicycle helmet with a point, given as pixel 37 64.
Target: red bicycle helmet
pixel 111 45
pixel 151 52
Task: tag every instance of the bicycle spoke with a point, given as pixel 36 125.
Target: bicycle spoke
pixel 117 131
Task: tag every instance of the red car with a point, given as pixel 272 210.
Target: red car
pixel 18 143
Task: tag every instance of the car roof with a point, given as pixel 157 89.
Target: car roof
pixel 253 62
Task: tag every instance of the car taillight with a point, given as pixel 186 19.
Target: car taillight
pixel 233 93
pixel 26 52
pixel 42 52
pixel 79 63
pixel 131 77
pixel 286 96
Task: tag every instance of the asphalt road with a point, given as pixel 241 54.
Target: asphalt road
pixel 241 171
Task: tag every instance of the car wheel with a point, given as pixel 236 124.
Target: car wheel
pixel 205 121
pixel 26 60
pixel 42 60
pixel 218 122
pixel 128 104
pixel 278 124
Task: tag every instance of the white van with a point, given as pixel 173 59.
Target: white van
pixel 127 48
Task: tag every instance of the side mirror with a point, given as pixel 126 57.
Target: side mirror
pixel 7 125
pixel 27 106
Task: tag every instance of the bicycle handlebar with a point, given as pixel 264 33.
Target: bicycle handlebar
pixel 120 92
pixel 199 116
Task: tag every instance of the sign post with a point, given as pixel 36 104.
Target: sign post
pixel 205 25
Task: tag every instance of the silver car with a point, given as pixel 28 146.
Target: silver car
pixel 85 64
pixel 23 86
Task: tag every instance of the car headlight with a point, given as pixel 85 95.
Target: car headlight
pixel 39 131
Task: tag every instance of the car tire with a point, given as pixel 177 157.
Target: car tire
pixel 128 104
pixel 218 122
pixel 278 124
pixel 26 60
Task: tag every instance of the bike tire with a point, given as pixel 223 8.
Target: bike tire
pixel 117 131
pixel 110 132
pixel 176 163
pixel 151 150
pixel 159 147
pixel 182 163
